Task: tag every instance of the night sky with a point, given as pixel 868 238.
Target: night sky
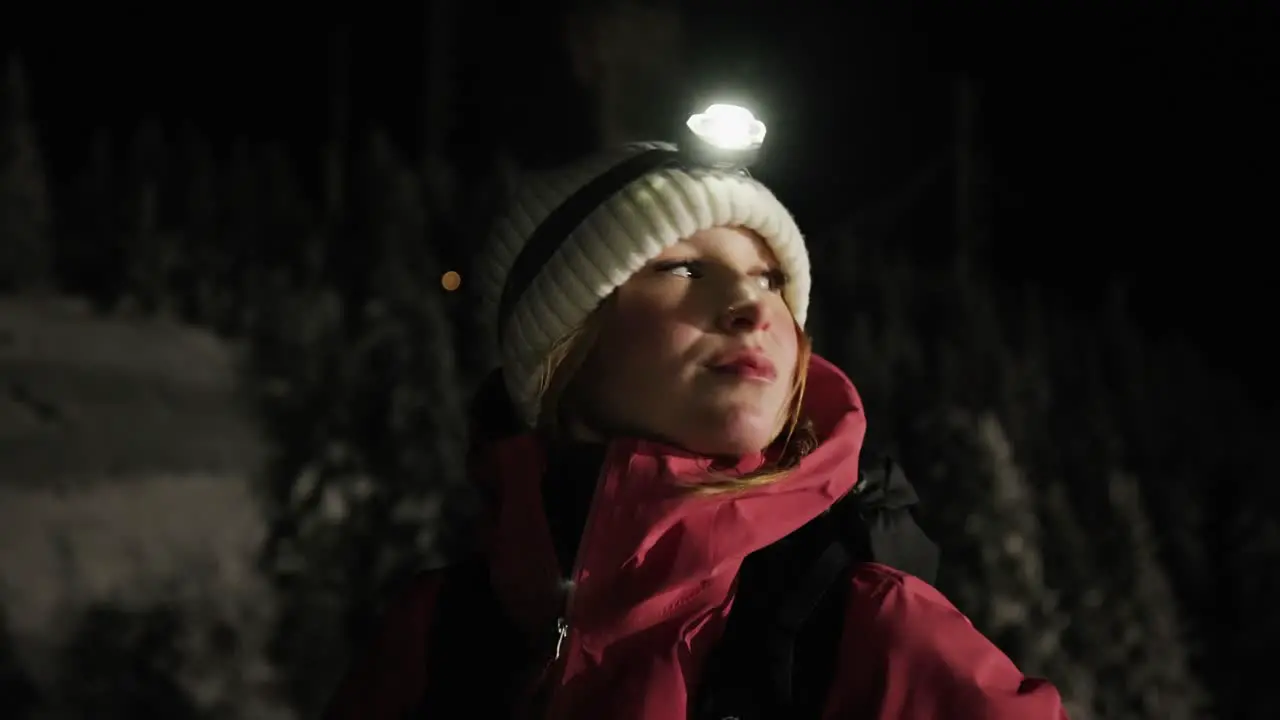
pixel 1137 142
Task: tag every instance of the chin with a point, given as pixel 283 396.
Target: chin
pixel 735 434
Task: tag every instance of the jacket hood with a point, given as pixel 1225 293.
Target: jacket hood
pixel 649 546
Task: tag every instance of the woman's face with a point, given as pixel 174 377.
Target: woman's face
pixel 697 349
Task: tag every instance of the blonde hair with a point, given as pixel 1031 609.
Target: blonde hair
pixel 568 355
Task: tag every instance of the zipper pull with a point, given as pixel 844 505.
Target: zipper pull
pixel 562 631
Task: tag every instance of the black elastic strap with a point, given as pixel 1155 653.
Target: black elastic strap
pixel 897 541
pixel 470 636
pixel 566 218
pixel 797 608
pixel 826 570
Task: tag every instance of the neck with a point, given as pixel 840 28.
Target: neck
pixel 578 428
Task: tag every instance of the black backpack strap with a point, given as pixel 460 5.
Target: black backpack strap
pixel 778 652
pixel 748 675
pixel 880 526
pixel 796 609
pixel 471 637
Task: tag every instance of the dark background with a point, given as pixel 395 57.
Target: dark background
pixel 1130 140
pixel 1101 468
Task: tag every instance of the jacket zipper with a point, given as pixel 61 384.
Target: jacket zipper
pixel 563 622
pixel 562 632
pixel 552 669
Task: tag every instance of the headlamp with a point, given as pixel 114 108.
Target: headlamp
pixel 725 136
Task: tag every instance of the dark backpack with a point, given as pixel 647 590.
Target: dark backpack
pixel 777 656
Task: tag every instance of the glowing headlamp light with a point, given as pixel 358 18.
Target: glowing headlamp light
pixel 726 136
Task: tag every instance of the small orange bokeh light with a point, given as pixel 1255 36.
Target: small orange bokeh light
pixel 450 281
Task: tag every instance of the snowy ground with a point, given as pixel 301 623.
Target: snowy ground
pixel 126 463
pixel 85 400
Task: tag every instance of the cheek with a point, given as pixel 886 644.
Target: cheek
pixel 646 335
pixel 636 365
pixel 787 341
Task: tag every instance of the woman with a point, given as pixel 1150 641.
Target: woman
pixel 665 420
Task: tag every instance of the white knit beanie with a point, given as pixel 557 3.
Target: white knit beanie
pixel 571 236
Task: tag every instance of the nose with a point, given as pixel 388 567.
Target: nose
pixel 744 314
pixel 743 318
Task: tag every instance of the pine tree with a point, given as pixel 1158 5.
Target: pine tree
pixel 986 518
pixel 1149 633
pixel 1013 445
pixel 366 405
pixel 409 342
pixel 197 216
pixel 148 250
pixel 26 242
pixel 19 693
pixel 90 252
pixel 240 231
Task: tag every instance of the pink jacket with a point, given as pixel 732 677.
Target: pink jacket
pixel 654 581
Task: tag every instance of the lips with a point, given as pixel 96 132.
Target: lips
pixel 747 364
